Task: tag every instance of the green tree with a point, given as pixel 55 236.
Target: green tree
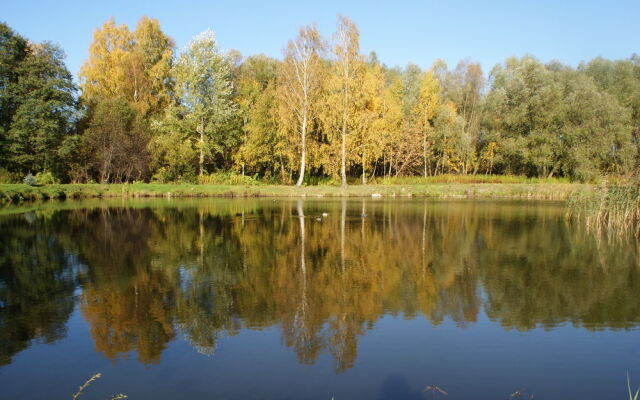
pixel 46 112
pixel 116 141
pixel 203 87
pixel 620 79
pixel 596 130
pixel 523 109
pixel 37 104
pixel 13 50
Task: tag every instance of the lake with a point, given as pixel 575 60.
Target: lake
pixel 314 299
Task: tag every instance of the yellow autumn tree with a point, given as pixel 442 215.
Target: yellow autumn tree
pixel 348 69
pixel 134 65
pixel 398 149
pixel 261 150
pixel 368 121
pixel 426 110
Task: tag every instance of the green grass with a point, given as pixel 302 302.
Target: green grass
pixel 16 193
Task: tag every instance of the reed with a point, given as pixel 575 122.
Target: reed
pixel 612 209
pixel 631 395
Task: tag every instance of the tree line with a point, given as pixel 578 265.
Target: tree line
pixel 143 111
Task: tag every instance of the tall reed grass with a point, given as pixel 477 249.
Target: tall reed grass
pixel 614 209
pixel 631 395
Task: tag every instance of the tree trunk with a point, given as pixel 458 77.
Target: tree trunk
pixel 343 153
pixel 201 160
pixel 343 217
pixel 364 169
pixel 384 165
pixel 424 152
pixel 343 148
pixel 303 143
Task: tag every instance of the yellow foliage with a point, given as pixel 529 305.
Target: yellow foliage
pixel 132 65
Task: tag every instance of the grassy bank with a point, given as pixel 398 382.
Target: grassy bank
pixel 16 193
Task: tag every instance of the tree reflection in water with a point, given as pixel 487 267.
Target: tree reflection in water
pixel 205 269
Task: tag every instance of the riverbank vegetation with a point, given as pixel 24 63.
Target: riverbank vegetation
pixel 611 209
pixel 16 193
pixel 324 112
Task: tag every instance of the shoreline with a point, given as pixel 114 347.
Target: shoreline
pixel 18 193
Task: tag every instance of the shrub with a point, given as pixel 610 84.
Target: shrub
pixel 227 178
pixel 163 175
pixel 30 180
pixel 46 178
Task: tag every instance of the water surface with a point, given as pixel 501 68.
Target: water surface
pixel 314 299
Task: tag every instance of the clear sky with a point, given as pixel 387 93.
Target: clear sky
pixel 399 31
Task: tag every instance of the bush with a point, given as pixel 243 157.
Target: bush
pixel 327 181
pixel 162 175
pixel 46 178
pixel 30 180
pixel 463 179
pixel 227 178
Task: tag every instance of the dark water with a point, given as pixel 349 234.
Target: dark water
pixel 258 299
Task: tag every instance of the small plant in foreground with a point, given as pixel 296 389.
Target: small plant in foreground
pixel 631 395
pixel 435 390
pixel 521 394
pixel 88 382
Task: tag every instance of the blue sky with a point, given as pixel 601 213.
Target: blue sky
pixel 399 31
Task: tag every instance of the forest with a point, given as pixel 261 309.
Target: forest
pixel 144 111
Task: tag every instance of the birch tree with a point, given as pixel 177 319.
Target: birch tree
pixel 348 66
pixel 299 83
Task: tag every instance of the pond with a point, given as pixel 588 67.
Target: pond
pixel 314 299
